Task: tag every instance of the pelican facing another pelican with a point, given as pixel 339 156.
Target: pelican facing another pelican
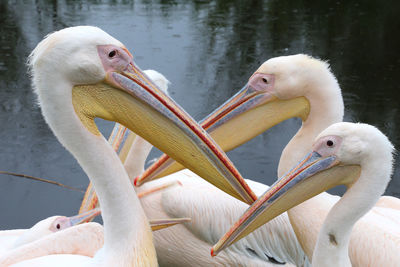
pixel 300 86
pixel 356 155
pixel 281 88
pixel 98 78
pixel 276 243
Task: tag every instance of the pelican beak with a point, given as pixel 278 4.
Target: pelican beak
pixel 310 177
pixel 84 217
pixel 244 116
pixel 165 223
pixel 130 98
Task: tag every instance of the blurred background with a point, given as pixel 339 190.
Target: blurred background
pixel 208 50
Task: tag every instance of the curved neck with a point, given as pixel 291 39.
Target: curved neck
pixel 334 237
pixel 127 234
pixel 322 114
pixel 136 158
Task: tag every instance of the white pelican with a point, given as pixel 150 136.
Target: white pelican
pixel 293 86
pixel 358 156
pixel 290 78
pixel 11 239
pixel 283 81
pixel 80 73
pixel 87 239
pixel 54 235
pixel 281 88
pixel 64 235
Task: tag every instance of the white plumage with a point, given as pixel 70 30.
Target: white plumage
pixel 212 212
pixel 366 146
pixel 296 76
pixel 85 239
pixel 98 78
pixel 77 48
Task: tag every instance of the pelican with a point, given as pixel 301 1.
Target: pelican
pixel 192 242
pixel 86 239
pixel 64 235
pixel 358 156
pixel 281 88
pixel 260 107
pixel 80 73
pixel 53 235
pixel 12 239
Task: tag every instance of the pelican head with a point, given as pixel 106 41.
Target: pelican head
pixel 358 156
pixel 53 224
pixel 281 88
pixel 86 73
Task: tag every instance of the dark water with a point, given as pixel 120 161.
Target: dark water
pixel 208 50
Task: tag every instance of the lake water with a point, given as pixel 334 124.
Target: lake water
pixel 208 50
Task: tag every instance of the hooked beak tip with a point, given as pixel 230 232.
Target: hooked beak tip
pixel 212 253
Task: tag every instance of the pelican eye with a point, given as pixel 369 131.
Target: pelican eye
pixel 329 143
pixel 58 226
pixel 112 53
pixel 264 80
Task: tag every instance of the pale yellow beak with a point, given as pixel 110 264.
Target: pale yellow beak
pixel 310 177
pixel 165 223
pixel 131 99
pixel 84 217
pixel 241 118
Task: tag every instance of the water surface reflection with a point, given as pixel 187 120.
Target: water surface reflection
pixel 207 49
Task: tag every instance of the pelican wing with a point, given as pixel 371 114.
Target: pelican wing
pixel 389 202
pixel 213 212
pixel 62 260
pixel 375 239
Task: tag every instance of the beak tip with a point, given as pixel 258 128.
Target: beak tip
pixel 136 181
pixel 212 252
